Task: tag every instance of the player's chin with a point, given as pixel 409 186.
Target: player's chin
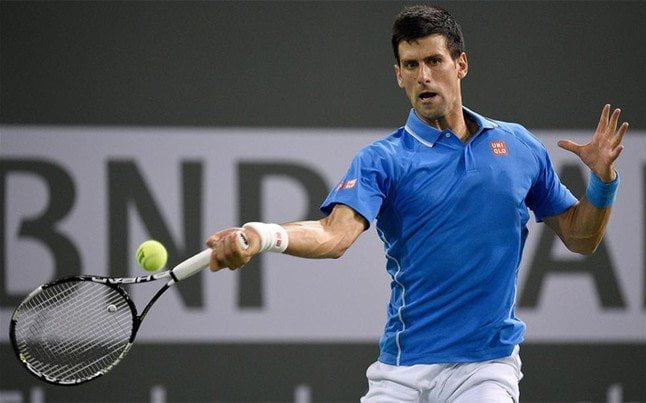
pixel 429 113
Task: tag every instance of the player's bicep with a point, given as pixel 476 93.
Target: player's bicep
pixel 329 237
pixel 343 225
pixel 559 223
pixel 345 221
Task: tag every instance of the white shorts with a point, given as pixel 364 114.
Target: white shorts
pixel 482 382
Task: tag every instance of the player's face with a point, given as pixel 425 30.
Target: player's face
pixel 431 78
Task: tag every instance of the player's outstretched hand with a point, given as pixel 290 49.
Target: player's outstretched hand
pixel 228 251
pixel 604 148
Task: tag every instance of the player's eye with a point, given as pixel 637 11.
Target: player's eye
pixel 410 64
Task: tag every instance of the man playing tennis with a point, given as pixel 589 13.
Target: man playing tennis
pixel 450 192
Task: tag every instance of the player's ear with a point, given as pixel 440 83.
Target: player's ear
pixel 398 75
pixel 463 65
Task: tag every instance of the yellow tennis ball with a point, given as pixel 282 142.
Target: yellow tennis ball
pixel 151 255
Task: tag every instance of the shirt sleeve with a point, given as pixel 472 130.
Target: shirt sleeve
pixel 364 187
pixel 548 196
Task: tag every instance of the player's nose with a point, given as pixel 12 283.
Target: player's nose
pixel 423 74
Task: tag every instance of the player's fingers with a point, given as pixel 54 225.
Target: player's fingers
pixel 232 252
pixel 614 154
pixel 229 249
pixel 238 256
pixel 603 120
pixel 612 125
pixel 212 240
pixel 214 263
pixel 570 146
pixel 620 134
pixel 227 253
pixel 221 252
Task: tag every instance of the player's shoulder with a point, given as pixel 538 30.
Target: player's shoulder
pixel 389 154
pixel 389 146
pixel 519 133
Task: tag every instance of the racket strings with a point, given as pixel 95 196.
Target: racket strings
pixel 79 342
pixel 73 330
pixel 54 302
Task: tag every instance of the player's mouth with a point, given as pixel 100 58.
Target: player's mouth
pixel 427 96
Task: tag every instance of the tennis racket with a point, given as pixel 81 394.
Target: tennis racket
pixel 75 329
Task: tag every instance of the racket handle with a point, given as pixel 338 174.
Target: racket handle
pixel 199 262
pixel 192 265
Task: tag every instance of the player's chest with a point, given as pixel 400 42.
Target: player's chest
pixel 484 172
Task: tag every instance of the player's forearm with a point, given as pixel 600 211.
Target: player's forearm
pixel 329 237
pixel 316 240
pixel 581 227
pixel 326 238
pixel 584 226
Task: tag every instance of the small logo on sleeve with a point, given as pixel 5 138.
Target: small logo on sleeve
pixel 347 184
pixel 498 147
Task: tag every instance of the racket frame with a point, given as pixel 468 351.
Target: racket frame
pixel 183 270
pixel 115 284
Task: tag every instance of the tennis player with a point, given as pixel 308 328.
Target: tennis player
pixel 450 192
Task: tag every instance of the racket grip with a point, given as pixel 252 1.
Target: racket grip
pixel 192 265
pixel 199 262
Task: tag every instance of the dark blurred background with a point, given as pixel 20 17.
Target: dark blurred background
pixel 325 64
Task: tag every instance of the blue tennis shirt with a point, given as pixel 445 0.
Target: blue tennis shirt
pixel 452 217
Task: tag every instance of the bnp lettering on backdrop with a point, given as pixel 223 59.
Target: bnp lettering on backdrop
pixel 71 198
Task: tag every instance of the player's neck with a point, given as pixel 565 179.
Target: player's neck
pixel 458 123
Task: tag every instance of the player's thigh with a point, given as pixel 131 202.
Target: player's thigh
pixel 390 392
pixel 493 381
pixel 387 384
pixel 489 392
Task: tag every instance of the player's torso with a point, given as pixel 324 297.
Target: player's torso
pixel 454 192
pixel 453 226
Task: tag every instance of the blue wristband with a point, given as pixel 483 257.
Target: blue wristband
pixel 601 194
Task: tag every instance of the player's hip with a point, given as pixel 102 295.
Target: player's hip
pixel 493 380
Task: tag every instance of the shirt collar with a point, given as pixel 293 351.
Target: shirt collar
pixel 428 135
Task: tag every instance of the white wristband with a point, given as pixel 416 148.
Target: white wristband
pixel 273 237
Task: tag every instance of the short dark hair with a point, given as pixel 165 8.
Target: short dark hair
pixel 417 22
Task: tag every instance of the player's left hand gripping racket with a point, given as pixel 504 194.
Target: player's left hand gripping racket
pixel 78 328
